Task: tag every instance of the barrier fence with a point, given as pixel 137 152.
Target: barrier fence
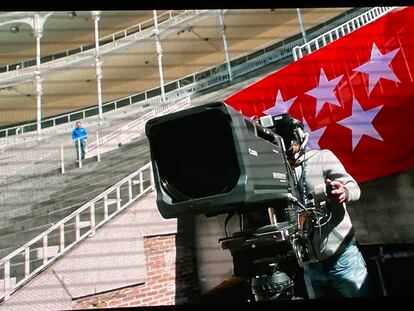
pixel 340 31
pixel 194 82
pixel 28 260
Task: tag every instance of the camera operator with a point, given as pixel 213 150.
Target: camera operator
pixel 337 268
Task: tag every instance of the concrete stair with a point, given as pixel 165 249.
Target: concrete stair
pixel 18 161
pixel 46 197
pixel 64 193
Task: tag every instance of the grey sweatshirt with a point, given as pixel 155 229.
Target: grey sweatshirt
pixel 331 237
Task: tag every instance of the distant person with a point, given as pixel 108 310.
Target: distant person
pixel 80 136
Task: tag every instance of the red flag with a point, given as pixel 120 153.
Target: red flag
pixel 355 96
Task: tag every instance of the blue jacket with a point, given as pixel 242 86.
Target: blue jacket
pixel 79 133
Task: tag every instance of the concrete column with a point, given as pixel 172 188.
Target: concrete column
pixel 39 93
pixel 38 22
pixel 226 50
pixel 96 16
pixel 159 53
pixel 301 25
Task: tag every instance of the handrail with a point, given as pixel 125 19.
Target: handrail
pixel 179 86
pixel 111 107
pixel 73 220
pixel 123 134
pixel 25 249
pixel 140 122
pixel 76 115
pixel 27 74
pixel 183 85
pixel 84 47
pixel 6 264
pixel 340 31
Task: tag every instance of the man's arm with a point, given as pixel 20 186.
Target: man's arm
pixel 343 186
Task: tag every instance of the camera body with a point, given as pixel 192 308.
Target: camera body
pixel 213 160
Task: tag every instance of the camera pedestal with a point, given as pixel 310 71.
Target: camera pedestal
pixel 265 256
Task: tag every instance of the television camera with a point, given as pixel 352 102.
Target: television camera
pixel 213 160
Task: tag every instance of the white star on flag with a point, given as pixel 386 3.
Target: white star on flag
pixel 378 67
pixel 314 136
pixel 280 106
pixel 360 123
pixel 324 92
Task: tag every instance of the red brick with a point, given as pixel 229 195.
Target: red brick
pixel 123 305
pixel 146 299
pixel 163 289
pixel 152 293
pixel 137 302
pixel 128 299
pixel 159 288
pixel 123 295
pixel 166 299
pixel 113 303
pixel 157 297
pixel 137 291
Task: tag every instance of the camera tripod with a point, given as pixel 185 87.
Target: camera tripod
pixel 264 255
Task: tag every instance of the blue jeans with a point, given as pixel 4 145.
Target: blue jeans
pixel 82 148
pixel 345 275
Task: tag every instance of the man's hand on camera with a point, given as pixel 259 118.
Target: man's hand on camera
pixel 336 190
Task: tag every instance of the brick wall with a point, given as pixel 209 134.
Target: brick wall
pixel 171 278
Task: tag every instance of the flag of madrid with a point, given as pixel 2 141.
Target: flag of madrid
pixel 355 96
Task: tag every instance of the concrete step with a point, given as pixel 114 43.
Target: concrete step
pixel 93 174
pixel 47 215
pixel 24 228
pixel 45 197
pixel 11 242
pixel 40 224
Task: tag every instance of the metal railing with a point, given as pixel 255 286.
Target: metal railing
pixel 118 137
pixel 196 82
pixel 165 24
pixel 33 246
pixel 86 219
pixel 181 87
pixel 56 151
pixel 132 129
pixel 27 74
pixel 27 132
pixel 102 41
pixel 27 261
pixel 340 31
